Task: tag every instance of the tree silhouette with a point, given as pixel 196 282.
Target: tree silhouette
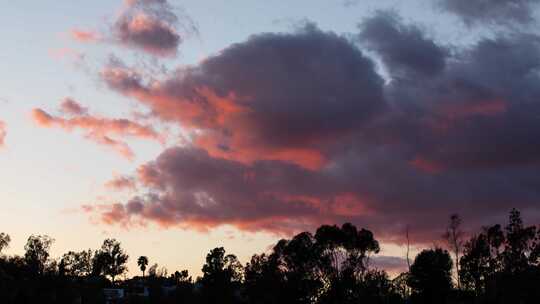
pixel 344 259
pixel 476 263
pixel 153 270
pixel 37 252
pixel 262 275
pixel 222 273
pixel 482 259
pixel 518 243
pixel 330 267
pixel 499 264
pixel 142 262
pixel 400 285
pixel 111 258
pixel 156 271
pixel 181 277
pixel 454 238
pixel 76 263
pixel 503 257
pixel 496 238
pixel 430 277
pixel 300 257
pixel 517 271
pixel 4 241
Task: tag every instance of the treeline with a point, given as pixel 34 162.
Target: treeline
pixel 497 265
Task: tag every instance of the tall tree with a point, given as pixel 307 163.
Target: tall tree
pixel 142 262
pixel 519 240
pixel 503 258
pixel 454 238
pixel 430 278
pixel 111 258
pixel 37 252
pixel 344 259
pixel 262 275
pixel 222 274
pixel 300 257
pixel 481 258
pixel 477 263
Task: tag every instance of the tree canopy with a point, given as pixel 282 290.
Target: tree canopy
pixel 330 266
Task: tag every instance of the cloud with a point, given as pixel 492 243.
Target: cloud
pixel 199 191
pixel 121 183
pixel 71 107
pixel 151 26
pixel 404 49
pixel 3 133
pixel 474 114
pixel 392 264
pixel 84 35
pixel 67 53
pixel 509 12
pixel 294 130
pixel 97 129
pixel 350 3
pixel 276 96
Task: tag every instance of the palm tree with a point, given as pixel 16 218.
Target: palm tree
pixel 142 262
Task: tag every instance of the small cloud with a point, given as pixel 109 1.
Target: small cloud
pixel 121 183
pixel 96 128
pixel 3 133
pixel 84 35
pixel 152 26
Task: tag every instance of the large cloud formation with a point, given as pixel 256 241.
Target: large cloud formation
pixel 293 130
pixel 287 97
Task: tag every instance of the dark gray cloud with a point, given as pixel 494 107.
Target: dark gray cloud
pixel 390 263
pixel 282 96
pixel 482 111
pixel 297 129
pixel 404 49
pixel 495 12
pixel 200 191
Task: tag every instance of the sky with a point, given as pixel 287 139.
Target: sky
pixel 180 126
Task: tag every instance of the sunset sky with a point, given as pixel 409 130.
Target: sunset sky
pixel 180 126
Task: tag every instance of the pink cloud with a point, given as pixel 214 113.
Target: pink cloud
pixel 121 183
pixel 85 35
pixel 294 130
pixel 147 33
pixel 97 129
pixel 475 108
pixel 246 116
pixel 3 133
pixel 151 26
pixel 70 106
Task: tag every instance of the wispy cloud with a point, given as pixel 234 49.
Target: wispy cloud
pixel 98 129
